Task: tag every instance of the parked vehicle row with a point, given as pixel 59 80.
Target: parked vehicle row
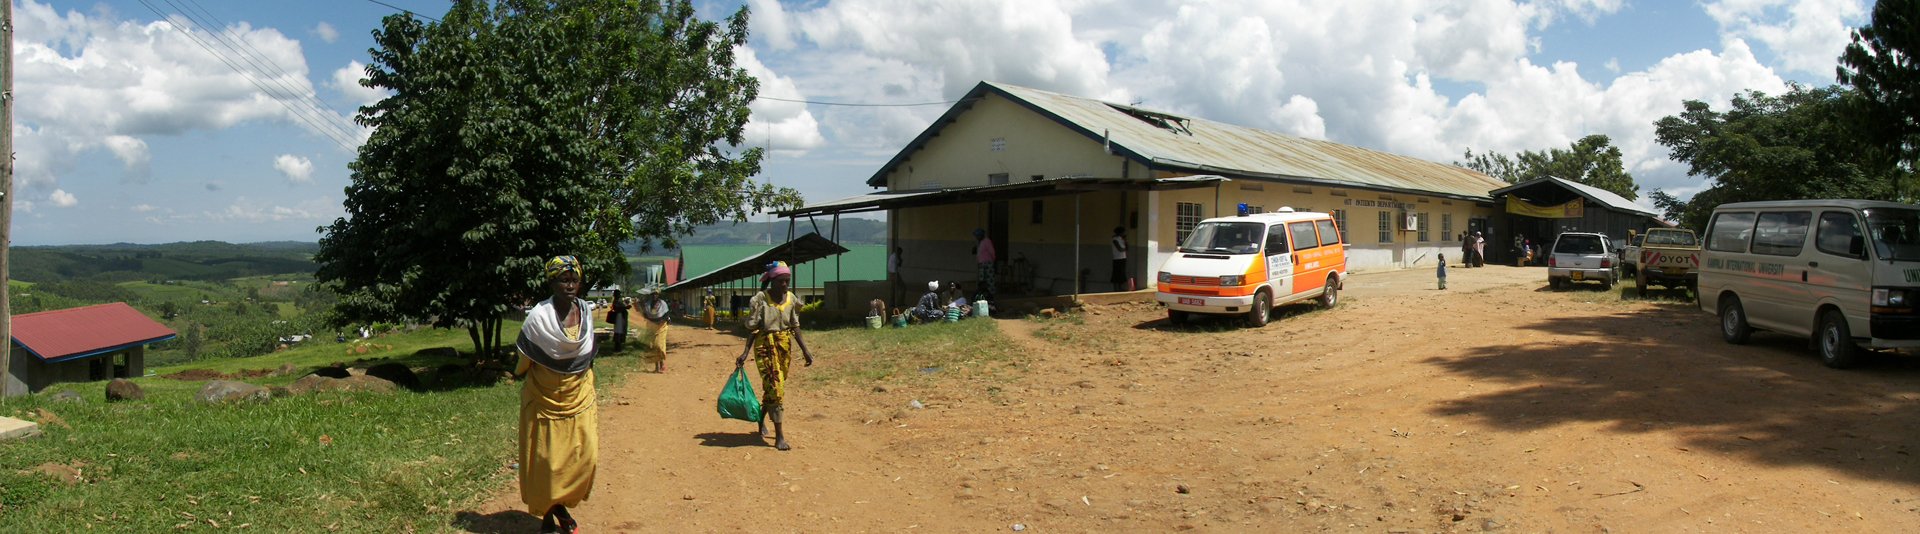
pixel 1843 273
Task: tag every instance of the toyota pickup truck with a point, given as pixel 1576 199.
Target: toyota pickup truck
pixel 1669 257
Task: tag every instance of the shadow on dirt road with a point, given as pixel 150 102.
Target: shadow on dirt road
pixel 1668 370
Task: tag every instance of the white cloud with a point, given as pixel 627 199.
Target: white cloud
pixel 1806 35
pixel 297 169
pixel 143 208
pixel 346 80
pixel 881 51
pixel 325 32
pixel 245 211
pixel 61 198
pixel 131 151
pixel 1361 73
pixel 788 127
pixel 94 82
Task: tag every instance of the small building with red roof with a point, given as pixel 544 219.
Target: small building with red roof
pixel 80 345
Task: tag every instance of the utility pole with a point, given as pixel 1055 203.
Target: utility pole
pixel 6 201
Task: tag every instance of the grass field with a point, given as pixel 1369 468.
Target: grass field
pixel 325 462
pixel 970 347
pixel 183 292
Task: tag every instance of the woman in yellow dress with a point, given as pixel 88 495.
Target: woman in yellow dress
pixel 559 430
pixel 773 327
pixel 707 302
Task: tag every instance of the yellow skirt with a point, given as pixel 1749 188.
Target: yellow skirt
pixel 656 339
pixel 559 437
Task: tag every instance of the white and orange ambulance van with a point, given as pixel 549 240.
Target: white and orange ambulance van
pixel 1248 264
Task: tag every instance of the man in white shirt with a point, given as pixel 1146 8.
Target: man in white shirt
pixel 1119 278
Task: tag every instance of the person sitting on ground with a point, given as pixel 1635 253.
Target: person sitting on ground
pixel 877 308
pixel 958 299
pixel 931 307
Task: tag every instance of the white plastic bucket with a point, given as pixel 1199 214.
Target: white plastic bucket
pixel 979 308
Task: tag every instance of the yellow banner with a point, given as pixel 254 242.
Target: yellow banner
pixel 1570 210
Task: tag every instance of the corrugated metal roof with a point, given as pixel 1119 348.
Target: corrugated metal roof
pixel 1595 194
pixel 74 333
pixel 887 200
pixel 802 253
pixel 1172 142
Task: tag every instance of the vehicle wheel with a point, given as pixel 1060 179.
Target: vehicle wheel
pixel 1553 283
pixel 1176 317
pixel 1331 296
pixel 1733 321
pixel 1262 309
pixel 1836 341
pixel 1606 284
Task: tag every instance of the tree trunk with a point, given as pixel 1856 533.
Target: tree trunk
pixel 479 348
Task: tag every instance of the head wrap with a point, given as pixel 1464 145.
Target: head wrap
pixel 561 265
pixel 979 233
pixel 777 270
pixel 933 285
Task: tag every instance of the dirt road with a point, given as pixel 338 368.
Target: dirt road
pixel 1493 406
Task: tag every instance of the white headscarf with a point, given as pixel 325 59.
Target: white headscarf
pixel 542 330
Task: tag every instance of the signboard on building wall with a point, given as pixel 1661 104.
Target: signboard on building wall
pixel 1573 209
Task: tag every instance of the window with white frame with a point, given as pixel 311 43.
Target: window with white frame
pixel 1424 236
pixel 1386 226
pixel 1186 215
pixel 1446 226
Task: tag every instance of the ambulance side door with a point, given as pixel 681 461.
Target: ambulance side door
pixel 1279 261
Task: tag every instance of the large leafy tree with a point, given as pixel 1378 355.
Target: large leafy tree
pixel 521 129
pixel 1881 66
pixel 1592 160
pixel 1766 147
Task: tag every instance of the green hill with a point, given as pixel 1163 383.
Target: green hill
pixel 197 260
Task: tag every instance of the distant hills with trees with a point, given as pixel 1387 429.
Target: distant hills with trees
pixel 217 260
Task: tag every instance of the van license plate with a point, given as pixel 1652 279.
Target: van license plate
pixel 1578 275
pixel 1193 302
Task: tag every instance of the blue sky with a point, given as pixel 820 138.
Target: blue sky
pixel 128 131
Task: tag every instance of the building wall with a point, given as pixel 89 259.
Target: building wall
pixel 939 241
pixel 15 383
pixel 1001 136
pixel 1362 225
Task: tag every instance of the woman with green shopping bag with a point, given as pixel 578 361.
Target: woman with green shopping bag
pixel 773 327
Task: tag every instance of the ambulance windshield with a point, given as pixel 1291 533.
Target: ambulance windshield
pixel 1896 233
pixel 1225 238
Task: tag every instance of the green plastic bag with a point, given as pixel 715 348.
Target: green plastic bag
pixel 737 400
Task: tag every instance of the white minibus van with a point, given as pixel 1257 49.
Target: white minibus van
pixel 1248 264
pixel 1843 273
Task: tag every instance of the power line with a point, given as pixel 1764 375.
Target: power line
pixel 404 10
pixel 253 56
pixel 297 113
pixel 864 105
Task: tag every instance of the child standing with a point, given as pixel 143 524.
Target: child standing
pixel 1442 271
